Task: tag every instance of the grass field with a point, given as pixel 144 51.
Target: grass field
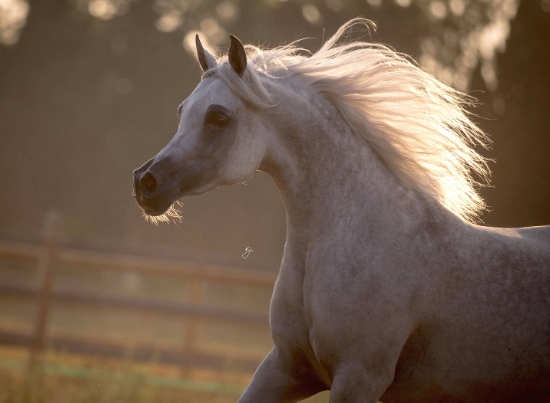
pixel 63 378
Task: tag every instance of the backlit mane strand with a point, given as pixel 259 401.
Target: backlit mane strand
pixel 418 125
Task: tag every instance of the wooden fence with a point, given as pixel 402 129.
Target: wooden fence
pixel 50 253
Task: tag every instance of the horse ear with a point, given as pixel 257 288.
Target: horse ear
pixel 206 60
pixel 237 56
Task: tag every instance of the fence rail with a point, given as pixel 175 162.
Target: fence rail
pixel 193 312
pixel 142 264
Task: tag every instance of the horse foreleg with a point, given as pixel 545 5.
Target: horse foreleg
pixel 354 384
pixel 277 380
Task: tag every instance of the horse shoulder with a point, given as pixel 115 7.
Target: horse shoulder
pixel 355 286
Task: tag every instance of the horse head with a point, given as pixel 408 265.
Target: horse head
pixel 219 140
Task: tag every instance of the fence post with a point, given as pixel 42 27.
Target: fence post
pixel 45 280
pixel 195 297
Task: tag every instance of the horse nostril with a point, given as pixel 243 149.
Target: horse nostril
pixel 148 183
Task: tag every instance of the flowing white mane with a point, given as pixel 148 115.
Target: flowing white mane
pixel 417 125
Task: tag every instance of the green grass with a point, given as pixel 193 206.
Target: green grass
pixel 103 387
pixel 55 381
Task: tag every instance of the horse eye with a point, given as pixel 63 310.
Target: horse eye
pixel 217 115
pixel 217 119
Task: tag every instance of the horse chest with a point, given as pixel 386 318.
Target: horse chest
pixel 309 310
pixel 291 330
pixel 300 325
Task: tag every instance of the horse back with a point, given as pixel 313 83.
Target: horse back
pixel 539 234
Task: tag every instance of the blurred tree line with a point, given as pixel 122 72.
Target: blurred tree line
pixel 88 91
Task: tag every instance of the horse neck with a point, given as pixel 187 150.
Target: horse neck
pixel 331 180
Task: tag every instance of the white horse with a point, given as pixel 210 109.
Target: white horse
pixel 387 289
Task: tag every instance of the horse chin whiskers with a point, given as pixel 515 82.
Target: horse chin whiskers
pixel 170 215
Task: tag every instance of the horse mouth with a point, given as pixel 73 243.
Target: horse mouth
pixel 154 213
pixel 157 209
pixel 166 215
pixel 166 211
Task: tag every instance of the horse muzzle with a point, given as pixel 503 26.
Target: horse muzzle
pixel 153 190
